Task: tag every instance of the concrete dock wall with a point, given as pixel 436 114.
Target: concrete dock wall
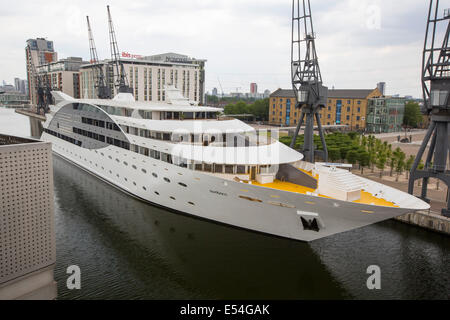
pixel 427 220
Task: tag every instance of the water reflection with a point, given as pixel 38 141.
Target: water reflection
pixel 128 249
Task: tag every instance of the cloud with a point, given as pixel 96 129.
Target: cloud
pixel 360 42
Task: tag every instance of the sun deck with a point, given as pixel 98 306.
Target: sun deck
pixel 366 198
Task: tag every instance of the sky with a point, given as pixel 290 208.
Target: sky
pixel 359 42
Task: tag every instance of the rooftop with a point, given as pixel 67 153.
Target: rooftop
pixel 6 140
pixel 337 93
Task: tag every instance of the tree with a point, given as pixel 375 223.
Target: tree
pixel 408 165
pixel 381 163
pixel 400 163
pixel 352 156
pixel 364 160
pixel 334 154
pixel 413 116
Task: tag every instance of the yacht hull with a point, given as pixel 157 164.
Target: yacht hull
pixel 255 208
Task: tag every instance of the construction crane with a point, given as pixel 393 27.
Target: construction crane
pixel 311 95
pixel 436 91
pixel 122 82
pixel 41 83
pixel 220 84
pixel 103 91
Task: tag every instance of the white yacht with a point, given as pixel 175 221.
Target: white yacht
pixel 187 158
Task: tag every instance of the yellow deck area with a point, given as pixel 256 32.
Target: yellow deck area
pixel 366 198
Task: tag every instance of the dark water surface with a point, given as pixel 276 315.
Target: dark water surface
pixel 127 249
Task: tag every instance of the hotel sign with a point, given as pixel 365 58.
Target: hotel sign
pixel 130 56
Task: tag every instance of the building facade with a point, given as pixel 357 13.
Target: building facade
pixel 344 107
pixel 14 99
pixel 64 75
pixel 38 52
pixel 21 85
pixel 148 76
pixel 27 228
pixel 385 114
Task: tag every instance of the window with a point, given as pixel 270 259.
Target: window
pixel 155 175
pixel 144 171
pixel 182 184
pixel 167 180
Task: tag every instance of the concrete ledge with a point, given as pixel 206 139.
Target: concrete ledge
pixel 428 221
pixel 39 285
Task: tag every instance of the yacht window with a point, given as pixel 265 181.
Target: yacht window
pixel 155 154
pixel 229 169
pixel 165 157
pixel 240 170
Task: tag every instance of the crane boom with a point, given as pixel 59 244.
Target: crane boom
pixel 103 91
pixel 122 82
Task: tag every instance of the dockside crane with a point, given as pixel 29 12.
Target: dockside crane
pixel 311 95
pixel 436 95
pixel 41 83
pixel 122 82
pixel 103 91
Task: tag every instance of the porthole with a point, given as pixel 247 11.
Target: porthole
pixel 155 175
pixel 157 193
pixel 134 183
pixel 144 188
pixel 144 171
pixel 117 160
pixel 102 153
pixel 167 180
pixel 134 167
pixel 182 184
pixel 110 157
pixel 180 174
pixel 110 172
pixel 125 163
pixel 173 198
pixel 191 203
